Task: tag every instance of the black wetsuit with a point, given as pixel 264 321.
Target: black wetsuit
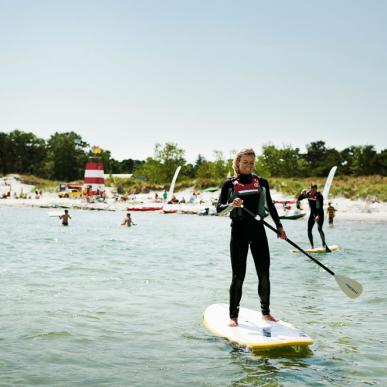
pixel 245 232
pixel 316 203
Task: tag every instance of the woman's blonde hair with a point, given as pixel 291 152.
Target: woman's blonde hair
pixel 238 156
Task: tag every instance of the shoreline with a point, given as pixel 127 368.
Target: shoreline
pixel 353 210
pixel 347 209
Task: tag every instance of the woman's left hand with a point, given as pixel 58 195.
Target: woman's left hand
pixel 281 233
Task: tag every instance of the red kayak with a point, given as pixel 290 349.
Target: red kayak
pixel 144 208
pixel 169 211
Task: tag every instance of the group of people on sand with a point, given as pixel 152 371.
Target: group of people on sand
pixel 247 196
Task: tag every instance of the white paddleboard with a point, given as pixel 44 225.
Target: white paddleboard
pixel 320 250
pixel 252 331
pixel 55 213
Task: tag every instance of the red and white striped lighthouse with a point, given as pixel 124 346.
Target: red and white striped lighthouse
pixel 94 181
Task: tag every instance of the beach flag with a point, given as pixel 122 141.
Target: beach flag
pixel 96 149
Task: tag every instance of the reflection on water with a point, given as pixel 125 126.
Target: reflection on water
pixel 266 367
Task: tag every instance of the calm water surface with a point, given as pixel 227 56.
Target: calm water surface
pixel 98 304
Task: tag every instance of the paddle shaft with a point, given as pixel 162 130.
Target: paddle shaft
pixel 289 241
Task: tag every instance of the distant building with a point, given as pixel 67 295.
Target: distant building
pixel 94 181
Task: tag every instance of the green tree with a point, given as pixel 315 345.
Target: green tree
pixel 5 148
pixel 315 156
pixel 187 171
pixel 129 165
pixel 204 170
pixel 365 160
pixel 66 156
pixel 219 166
pixel 170 156
pixel 151 169
pixel 199 161
pixel 382 163
pixel 22 152
pixel 282 162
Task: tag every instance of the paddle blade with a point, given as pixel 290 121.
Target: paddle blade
pixel 226 211
pixel 350 287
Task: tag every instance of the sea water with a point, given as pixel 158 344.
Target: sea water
pixel 99 304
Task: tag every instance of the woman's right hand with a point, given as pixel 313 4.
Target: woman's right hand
pixel 237 203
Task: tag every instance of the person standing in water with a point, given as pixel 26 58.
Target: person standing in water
pixel 165 196
pixel 128 221
pixel 65 218
pixel 331 213
pixel 248 190
pixel 316 203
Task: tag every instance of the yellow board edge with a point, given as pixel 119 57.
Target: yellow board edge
pixel 333 248
pixel 288 343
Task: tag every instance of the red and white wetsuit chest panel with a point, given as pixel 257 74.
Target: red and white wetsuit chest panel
pixel 251 188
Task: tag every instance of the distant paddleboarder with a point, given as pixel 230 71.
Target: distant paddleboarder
pixel 65 218
pixel 316 203
pixel 251 191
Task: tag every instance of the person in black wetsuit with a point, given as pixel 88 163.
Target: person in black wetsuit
pixel 250 191
pixel 316 203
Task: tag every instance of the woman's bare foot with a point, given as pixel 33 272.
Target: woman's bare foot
pixel 233 322
pixel 268 317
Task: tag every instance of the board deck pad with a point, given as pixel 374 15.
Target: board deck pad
pixel 252 331
pixel 320 250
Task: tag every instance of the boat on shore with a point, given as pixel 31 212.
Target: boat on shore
pixel 169 211
pixel 144 208
pixel 292 214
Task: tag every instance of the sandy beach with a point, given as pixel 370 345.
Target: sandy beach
pixel 357 210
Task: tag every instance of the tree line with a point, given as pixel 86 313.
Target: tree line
pixel 63 157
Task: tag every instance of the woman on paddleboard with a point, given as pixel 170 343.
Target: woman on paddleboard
pixel 316 204
pixel 248 190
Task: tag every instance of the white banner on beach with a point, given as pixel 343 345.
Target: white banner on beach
pixel 328 183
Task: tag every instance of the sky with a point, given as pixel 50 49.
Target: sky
pixel 204 74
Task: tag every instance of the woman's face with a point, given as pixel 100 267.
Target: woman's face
pixel 246 164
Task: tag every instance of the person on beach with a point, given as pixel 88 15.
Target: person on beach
pixel 128 221
pixel 165 195
pixel 65 218
pixel 248 190
pixel 331 213
pixel 316 204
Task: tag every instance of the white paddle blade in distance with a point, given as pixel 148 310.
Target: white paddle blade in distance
pixel 350 287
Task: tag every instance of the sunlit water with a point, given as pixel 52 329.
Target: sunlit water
pixel 99 304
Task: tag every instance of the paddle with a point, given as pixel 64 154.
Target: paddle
pixel 350 287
